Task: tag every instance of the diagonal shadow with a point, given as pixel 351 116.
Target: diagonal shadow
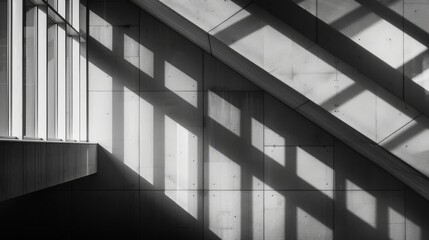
pixel 350 52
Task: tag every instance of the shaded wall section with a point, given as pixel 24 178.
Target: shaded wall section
pixel 28 166
pixel 189 149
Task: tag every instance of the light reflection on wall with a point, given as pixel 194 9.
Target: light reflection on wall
pixel 187 200
pixel 181 153
pixel 275 217
pixel 278 154
pixel 225 214
pixel 361 204
pixel 101 30
pixel 309 227
pixel 223 172
pixel 180 83
pixel 129 125
pixel 313 171
pixel 131 51
pixel 257 134
pixel 396 222
pixel 147 141
pixel 146 61
pixel 217 107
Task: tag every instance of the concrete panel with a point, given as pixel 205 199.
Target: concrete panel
pixel 417 218
pixel 169 62
pixel 233 119
pixel 289 12
pixel 350 165
pixel 417 13
pixel 113 120
pixel 219 77
pixel 171 214
pixel 180 61
pixel 170 154
pixel 361 25
pixel 369 215
pixel 185 108
pixel 313 73
pixel 367 107
pixel 299 168
pixel 117 222
pixel 309 5
pixel 206 14
pixel 234 214
pixel 112 74
pixel 113 12
pixel 171 138
pixel 118 41
pixel 262 39
pixel 342 104
pixel 410 144
pixel 298 215
pixel 284 127
pixel 416 85
pixel 416 1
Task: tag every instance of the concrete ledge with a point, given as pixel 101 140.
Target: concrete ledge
pixel 28 166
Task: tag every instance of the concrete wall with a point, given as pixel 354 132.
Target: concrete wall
pixel 192 150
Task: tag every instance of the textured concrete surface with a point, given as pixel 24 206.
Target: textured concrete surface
pixel 311 186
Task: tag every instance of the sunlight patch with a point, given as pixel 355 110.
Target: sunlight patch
pixel 361 204
pixel 187 200
pixel 309 227
pixel 257 135
pixel 313 171
pixel 180 83
pixel 224 113
pixel 147 141
pixel 101 30
pixel 224 173
pixel 181 153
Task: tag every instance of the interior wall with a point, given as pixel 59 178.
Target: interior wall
pixel 189 149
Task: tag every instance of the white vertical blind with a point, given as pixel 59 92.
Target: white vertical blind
pixel 42 75
pixel 76 88
pixel 17 68
pixel 61 109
